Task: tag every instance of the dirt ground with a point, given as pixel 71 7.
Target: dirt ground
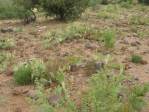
pixel 29 45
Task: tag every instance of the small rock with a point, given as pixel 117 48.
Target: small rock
pixel 65 54
pixel 5 30
pixel 99 65
pixel 127 66
pixel 73 67
pixel 54 99
pixel 89 46
pixel 136 43
pixel 32 94
pixel 143 62
pixel 18 109
pixel 19 91
pixel 9 72
pixel 136 78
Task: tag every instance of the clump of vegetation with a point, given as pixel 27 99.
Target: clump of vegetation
pixel 5 59
pixel 22 74
pixel 138 20
pixel 64 9
pixel 109 38
pixel 7 9
pixel 6 43
pixel 136 59
pixel 105 15
pixel 74 31
pixel 108 94
pixel 144 1
pixel 28 72
pixel 25 9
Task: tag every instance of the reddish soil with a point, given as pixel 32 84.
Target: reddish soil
pixel 29 45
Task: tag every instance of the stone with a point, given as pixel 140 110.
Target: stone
pixel 18 109
pixel 6 30
pixel 54 99
pixel 9 72
pixel 32 94
pixel 89 46
pixel 99 65
pixel 73 67
pixel 143 62
pixel 19 91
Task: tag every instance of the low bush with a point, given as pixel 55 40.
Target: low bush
pixel 144 1
pixel 64 9
pixel 136 59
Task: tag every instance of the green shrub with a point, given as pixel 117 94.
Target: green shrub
pixel 22 74
pixel 136 59
pixel 25 9
pixel 30 71
pixel 144 1
pixel 7 9
pixel 109 37
pixel 64 9
pixel 107 93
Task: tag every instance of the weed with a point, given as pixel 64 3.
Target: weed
pixel 109 37
pixel 73 31
pixel 136 59
pixel 138 20
pixel 6 43
pixel 28 72
pixel 3 100
pixel 5 59
pixel 105 15
pixel 107 94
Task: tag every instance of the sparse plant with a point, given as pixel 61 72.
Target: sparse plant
pixel 107 93
pixel 138 20
pixel 105 15
pixel 6 43
pixel 109 38
pixel 136 59
pixel 5 59
pixel 74 31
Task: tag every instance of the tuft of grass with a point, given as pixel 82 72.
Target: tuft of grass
pixel 74 31
pixel 28 72
pixel 5 59
pixel 138 20
pixel 105 15
pixel 6 43
pixel 136 59
pixel 109 38
pixel 22 74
